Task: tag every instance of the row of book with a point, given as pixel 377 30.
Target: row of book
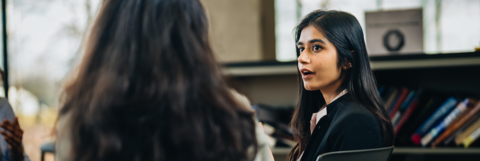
pixel 427 118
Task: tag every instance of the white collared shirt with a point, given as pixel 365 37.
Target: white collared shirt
pixel 323 112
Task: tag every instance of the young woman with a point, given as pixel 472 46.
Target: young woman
pixel 149 88
pixel 339 107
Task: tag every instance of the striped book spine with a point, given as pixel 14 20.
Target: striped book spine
pixel 443 110
pixel 461 107
pixel 470 139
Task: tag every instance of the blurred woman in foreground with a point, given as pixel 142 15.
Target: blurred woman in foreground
pixel 149 88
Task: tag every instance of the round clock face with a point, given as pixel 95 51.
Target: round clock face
pixel 393 40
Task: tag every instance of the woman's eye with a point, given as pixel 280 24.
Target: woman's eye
pixel 316 47
pixel 301 49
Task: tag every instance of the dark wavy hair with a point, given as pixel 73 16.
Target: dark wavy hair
pixel 149 88
pixel 344 31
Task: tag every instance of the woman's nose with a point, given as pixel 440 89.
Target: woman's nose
pixel 303 58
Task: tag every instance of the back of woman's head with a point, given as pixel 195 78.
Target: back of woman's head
pixel 149 88
pixel 345 32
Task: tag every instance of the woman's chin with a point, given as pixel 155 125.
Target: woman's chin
pixel 310 88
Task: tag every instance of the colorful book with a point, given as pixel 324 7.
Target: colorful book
pixel 381 89
pixel 447 133
pixel 398 100
pixel 451 138
pixel 396 117
pixel 459 109
pixel 388 91
pixel 411 107
pixel 439 114
pixel 468 131
pixel 456 125
pixel 390 98
pixel 470 139
pixel 429 103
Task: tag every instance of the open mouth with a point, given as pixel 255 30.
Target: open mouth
pixel 307 73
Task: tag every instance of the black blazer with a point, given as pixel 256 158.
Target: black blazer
pixel 347 126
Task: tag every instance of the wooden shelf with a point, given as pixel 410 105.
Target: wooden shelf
pixel 408 150
pixel 260 68
pixel 377 63
pixel 425 63
pixel 280 151
pixel 261 71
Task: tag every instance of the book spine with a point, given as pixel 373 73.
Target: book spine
pixel 408 111
pixel 380 90
pixel 396 118
pixel 398 115
pixel 451 138
pixel 405 117
pixel 399 101
pixel 394 101
pixel 464 122
pixel 451 128
pixel 470 139
pixel 461 107
pixel 409 99
pixel 443 110
pixel 390 98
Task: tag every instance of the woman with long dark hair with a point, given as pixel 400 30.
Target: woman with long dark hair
pixel 339 107
pixel 149 88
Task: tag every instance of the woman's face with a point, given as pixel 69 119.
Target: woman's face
pixel 318 60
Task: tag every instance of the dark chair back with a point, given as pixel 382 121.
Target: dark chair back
pixel 377 154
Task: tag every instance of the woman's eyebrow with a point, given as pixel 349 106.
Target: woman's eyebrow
pixel 313 41
pixel 317 40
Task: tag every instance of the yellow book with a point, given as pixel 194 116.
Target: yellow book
pixel 467 132
pixel 470 139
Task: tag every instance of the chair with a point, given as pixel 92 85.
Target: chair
pixel 48 147
pixel 378 154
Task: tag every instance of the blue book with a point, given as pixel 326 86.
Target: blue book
pixel 397 96
pixel 408 100
pixel 403 107
pixel 439 114
pixel 433 133
pixel 380 90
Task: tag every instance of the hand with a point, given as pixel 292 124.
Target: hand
pixel 13 136
pixel 313 122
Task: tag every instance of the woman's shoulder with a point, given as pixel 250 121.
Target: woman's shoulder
pixel 354 127
pixel 351 113
pixel 241 99
pixel 263 151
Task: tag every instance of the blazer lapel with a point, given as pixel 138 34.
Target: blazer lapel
pixel 316 138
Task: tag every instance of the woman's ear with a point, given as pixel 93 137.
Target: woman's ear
pixel 346 65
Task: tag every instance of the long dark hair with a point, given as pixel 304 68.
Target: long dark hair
pixel 149 88
pixel 344 31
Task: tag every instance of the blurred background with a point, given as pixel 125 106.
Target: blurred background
pixel 254 41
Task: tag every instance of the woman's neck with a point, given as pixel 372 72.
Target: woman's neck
pixel 331 91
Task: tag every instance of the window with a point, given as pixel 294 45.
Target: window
pixel 449 25
pixel 44 45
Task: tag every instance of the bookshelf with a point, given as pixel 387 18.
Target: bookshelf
pixel 377 63
pixel 276 84
pixel 404 150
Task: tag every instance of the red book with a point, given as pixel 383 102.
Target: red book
pixel 403 95
pixel 407 114
pixel 411 107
